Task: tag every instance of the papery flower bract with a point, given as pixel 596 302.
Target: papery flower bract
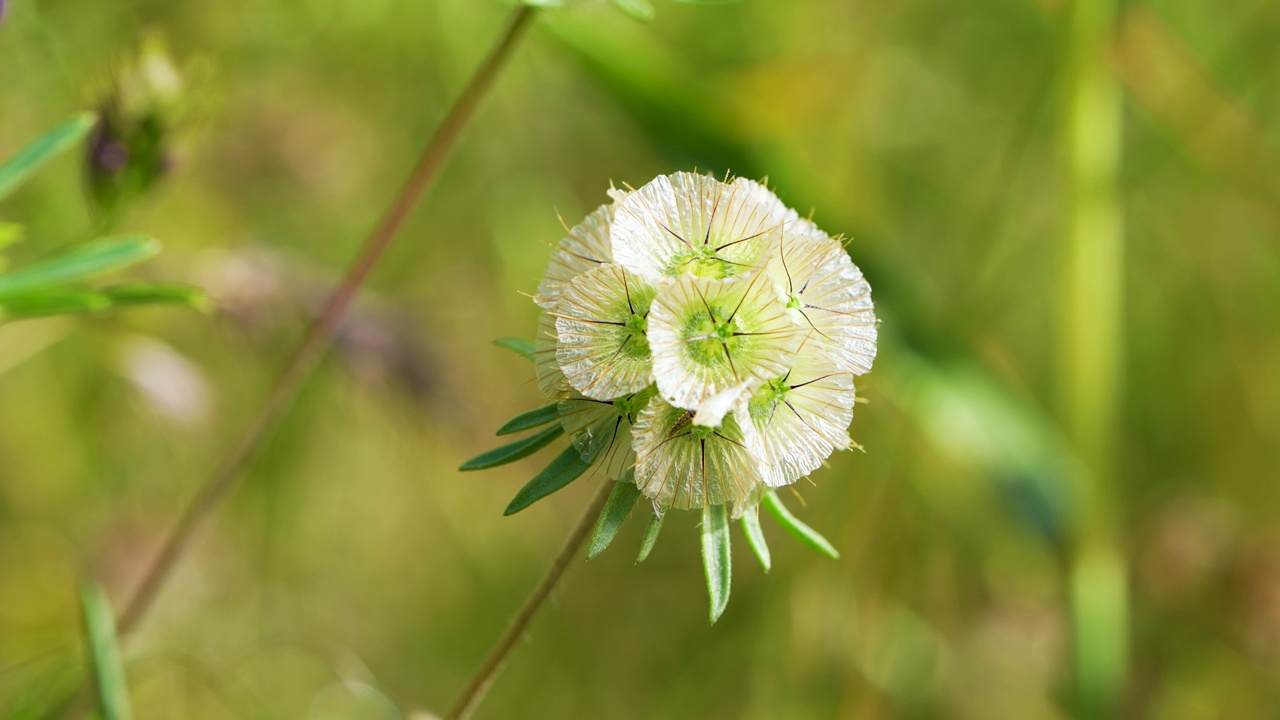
pixel 601 323
pixel 794 422
pixel 708 336
pixel 585 247
pixel 826 293
pixel 687 224
pixel 551 381
pixel 682 465
pixel 602 430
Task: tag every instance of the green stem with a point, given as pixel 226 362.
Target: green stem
pixel 475 691
pixel 1091 348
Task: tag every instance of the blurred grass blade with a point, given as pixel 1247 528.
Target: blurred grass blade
pixel 563 470
pixel 531 419
pixel 57 301
pixel 616 509
pixel 641 10
pixel 29 159
pixel 518 346
pixel 650 538
pixel 755 536
pixel 716 557
pixel 514 451
pixel 104 652
pixel 802 532
pixel 157 294
pixel 85 261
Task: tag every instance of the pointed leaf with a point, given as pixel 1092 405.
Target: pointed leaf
pixel 715 556
pixel 104 651
pixel 90 259
pixel 518 346
pixel 531 419
pixel 650 537
pixel 755 536
pixel 802 532
pixel 562 471
pixel 145 293
pixel 615 512
pixel 514 451
pixel 27 160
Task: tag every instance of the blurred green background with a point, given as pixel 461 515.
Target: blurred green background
pixel 354 556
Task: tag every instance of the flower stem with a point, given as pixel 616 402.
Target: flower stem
pixel 475 691
pixel 305 357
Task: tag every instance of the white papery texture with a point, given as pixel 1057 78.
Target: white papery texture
pixel 827 294
pixel 688 224
pixel 708 336
pixel 585 247
pixel 794 422
pixel 551 380
pixel 601 431
pixel 602 348
pixel 681 465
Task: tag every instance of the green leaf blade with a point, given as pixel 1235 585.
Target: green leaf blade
pixel 146 293
pixel 35 154
pixel 514 451
pixel 518 346
pixel 755 537
pixel 793 525
pixel 615 512
pixel 716 557
pixel 49 302
pixel 90 259
pixel 650 538
pixel 566 468
pixel 531 419
pixel 104 652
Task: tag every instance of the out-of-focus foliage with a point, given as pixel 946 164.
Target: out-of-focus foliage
pixel 356 564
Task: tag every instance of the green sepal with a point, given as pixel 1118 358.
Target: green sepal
pixel 791 524
pixel 44 148
pixel 104 653
pixel 563 470
pixel 650 537
pixel 94 258
pixel 531 419
pixel 616 509
pixel 518 346
pixel 514 451
pixel 716 557
pixel 755 536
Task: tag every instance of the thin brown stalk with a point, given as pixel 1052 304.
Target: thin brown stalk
pixel 475 691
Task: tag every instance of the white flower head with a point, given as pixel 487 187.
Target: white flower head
pixel 682 465
pixel 585 247
pixel 688 224
pixel 601 323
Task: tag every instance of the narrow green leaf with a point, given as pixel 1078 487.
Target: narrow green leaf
pixel 650 537
pixel 27 160
pixel 518 346
pixel 87 260
pixel 802 532
pixel 531 419
pixel 146 293
pixel 563 470
pixel 715 556
pixel 755 536
pixel 55 301
pixel 104 651
pixel 514 451
pixel 641 10
pixel 615 512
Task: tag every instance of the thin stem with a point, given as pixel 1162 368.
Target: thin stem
pixel 475 691
pixel 304 359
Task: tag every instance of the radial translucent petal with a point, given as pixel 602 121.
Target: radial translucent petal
pixel 602 431
pixel 695 224
pixel 551 381
pixel 827 294
pixel 600 322
pixel 682 465
pixel 797 420
pixel 586 246
pixel 710 335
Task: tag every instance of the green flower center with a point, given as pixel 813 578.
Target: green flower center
pixel 766 399
pixel 711 340
pixel 701 261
